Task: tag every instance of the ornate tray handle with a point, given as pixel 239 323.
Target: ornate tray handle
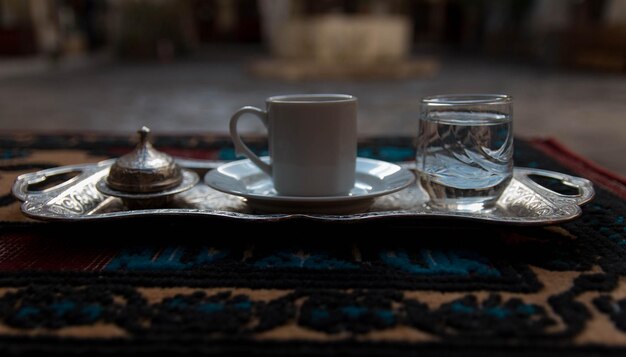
pixel 22 191
pixel 584 187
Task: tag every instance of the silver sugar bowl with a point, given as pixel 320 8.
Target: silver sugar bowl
pixel 145 177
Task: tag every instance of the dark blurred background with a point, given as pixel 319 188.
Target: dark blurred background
pixel 186 65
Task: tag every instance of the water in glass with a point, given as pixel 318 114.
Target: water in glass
pixel 465 158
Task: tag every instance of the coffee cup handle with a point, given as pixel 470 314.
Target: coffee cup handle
pixel 240 147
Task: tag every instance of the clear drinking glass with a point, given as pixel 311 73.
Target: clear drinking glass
pixel 465 150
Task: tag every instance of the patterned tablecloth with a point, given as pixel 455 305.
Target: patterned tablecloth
pixel 388 287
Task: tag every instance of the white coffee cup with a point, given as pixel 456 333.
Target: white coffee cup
pixel 312 143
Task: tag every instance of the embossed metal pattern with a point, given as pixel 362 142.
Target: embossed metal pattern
pixel 524 202
pixel 143 170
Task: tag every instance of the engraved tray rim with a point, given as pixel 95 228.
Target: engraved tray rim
pixel 550 207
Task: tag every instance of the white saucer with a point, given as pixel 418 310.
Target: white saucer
pixel 373 178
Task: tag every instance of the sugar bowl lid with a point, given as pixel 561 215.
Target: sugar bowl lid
pixel 144 170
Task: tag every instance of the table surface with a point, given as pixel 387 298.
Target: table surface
pixel 215 286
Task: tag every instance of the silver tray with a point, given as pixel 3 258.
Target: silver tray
pixel 524 202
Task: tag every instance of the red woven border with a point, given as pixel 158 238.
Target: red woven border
pixel 596 173
pixel 34 252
